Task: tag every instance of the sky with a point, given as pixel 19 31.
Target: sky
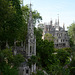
pixel 49 9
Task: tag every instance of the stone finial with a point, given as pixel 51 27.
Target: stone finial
pixel 51 22
pixel 58 19
pixel 63 26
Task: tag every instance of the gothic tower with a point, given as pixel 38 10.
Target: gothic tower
pixel 31 40
pixel 30 49
pixel 51 22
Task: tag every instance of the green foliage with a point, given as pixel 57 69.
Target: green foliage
pixel 48 37
pixel 63 56
pixel 71 42
pixel 38 61
pixel 18 59
pixel 71 31
pixel 53 63
pixel 72 66
pixel 9 62
pixel 40 72
pixel 40 25
pixel 32 60
pixel 55 69
pixel 45 50
pixel 8 54
pixel 35 15
pixel 7 70
pixel 72 71
pixel 11 21
pixel 38 33
pixel 69 50
pixel 13 24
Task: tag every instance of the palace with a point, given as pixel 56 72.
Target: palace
pixel 61 38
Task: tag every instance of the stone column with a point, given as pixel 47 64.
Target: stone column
pixel 34 66
pixel 28 47
pixel 24 72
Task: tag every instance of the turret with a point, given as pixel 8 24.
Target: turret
pixel 58 19
pixel 56 22
pixel 51 22
pixel 56 26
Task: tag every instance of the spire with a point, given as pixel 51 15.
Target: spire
pixel 30 22
pixel 30 14
pixel 51 22
pixel 22 2
pixel 30 6
pixel 63 26
pixel 55 22
pixel 58 19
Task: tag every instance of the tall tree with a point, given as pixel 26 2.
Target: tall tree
pixel 63 56
pixel 11 20
pixel 38 32
pixel 71 31
pixel 45 50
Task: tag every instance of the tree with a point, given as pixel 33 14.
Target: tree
pixel 72 66
pixel 40 25
pixel 48 37
pixel 63 57
pixel 10 22
pixel 9 62
pixel 31 61
pixel 40 72
pixel 14 22
pixel 71 31
pixel 38 33
pixel 45 50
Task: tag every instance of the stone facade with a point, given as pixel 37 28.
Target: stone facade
pixel 61 38
pixel 27 49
